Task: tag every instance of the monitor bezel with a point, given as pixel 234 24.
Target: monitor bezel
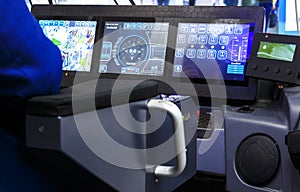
pixel 245 93
pixel 263 68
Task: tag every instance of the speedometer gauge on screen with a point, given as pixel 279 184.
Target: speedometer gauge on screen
pixel 134 48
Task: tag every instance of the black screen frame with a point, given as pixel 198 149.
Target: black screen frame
pixel 271 69
pixel 165 13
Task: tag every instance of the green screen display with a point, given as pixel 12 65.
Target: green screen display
pixel 276 51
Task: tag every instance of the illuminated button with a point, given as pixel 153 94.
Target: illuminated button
pixel 266 68
pixel 288 71
pixel 276 70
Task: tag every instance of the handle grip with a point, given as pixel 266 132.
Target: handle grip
pixel 174 111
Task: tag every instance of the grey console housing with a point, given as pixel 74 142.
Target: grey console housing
pixel 257 158
pixel 81 138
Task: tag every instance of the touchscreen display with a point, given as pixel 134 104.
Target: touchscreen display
pixel 277 51
pixel 201 45
pixel 75 39
pixel 137 48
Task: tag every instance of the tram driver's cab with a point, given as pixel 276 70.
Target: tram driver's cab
pixel 155 96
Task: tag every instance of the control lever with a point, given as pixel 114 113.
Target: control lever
pixel 174 111
pixel 292 140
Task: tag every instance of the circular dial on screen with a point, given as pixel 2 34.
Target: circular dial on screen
pixel 133 50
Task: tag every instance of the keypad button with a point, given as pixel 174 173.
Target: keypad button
pixel 276 70
pixel 254 66
pixel 288 71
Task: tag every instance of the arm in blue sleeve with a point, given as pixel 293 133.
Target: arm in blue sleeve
pixel 30 64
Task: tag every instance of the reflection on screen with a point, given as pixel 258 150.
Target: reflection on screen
pixel 276 51
pixel 201 45
pixel 134 48
pixel 75 39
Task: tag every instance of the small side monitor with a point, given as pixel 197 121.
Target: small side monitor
pixel 275 57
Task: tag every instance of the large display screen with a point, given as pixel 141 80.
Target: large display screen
pixel 134 48
pixel 226 44
pixel 277 51
pixel 75 39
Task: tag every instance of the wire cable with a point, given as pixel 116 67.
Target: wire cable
pixel 132 2
pixel 297 22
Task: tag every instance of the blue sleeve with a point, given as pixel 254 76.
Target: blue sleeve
pixel 30 62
